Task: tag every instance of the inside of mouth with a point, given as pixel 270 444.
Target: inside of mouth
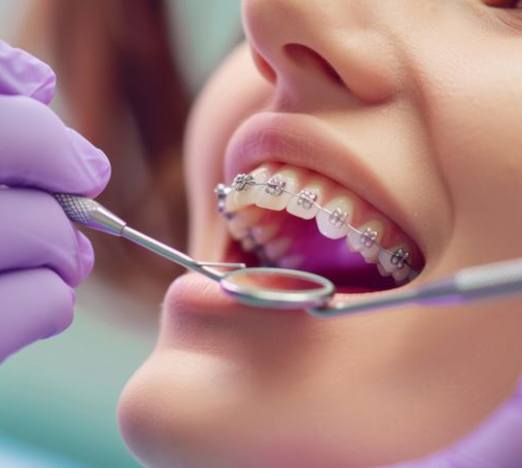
pixel 317 254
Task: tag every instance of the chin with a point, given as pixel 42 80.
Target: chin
pixel 191 409
pixel 210 394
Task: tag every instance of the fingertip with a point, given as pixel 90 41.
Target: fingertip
pixel 85 256
pixel 102 170
pixel 23 74
pixel 95 161
pixel 64 315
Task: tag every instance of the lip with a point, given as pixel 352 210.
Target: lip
pixel 298 140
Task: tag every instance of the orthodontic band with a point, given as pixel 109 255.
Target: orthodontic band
pixel 307 199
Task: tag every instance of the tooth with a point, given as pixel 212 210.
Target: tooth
pixel 401 274
pixel 366 239
pixel 393 259
pixel 248 243
pixel 382 271
pixel 334 223
pixel 279 189
pixel 230 202
pixel 306 203
pixel 245 186
pixel 412 275
pixel 277 248
pixel 291 261
pixel 264 233
pixel 249 216
pixel 237 228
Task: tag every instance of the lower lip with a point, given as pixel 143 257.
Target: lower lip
pixel 193 293
pixel 198 315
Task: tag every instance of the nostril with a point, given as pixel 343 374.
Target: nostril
pixel 264 67
pixel 304 56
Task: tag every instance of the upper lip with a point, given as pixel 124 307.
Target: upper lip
pixel 305 141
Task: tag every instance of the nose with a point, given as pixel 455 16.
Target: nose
pixel 302 44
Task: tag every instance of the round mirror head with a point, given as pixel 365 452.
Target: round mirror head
pixel 278 288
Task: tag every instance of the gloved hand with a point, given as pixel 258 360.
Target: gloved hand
pixel 496 443
pixel 42 255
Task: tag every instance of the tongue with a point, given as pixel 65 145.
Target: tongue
pixel 331 258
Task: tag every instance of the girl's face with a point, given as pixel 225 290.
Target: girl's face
pixel 414 109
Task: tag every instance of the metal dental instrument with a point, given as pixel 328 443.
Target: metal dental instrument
pixel 262 287
pixel 474 283
pixel 293 289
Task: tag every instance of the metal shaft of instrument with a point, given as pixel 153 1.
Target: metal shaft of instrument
pixel 472 283
pixel 168 252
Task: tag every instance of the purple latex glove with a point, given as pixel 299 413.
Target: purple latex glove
pixel 497 443
pixel 42 255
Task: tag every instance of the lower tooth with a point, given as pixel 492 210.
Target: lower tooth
pixel 277 248
pixel 291 261
pixel 237 229
pixel 382 271
pixel 250 215
pixel 264 233
pixel 401 274
pixel 412 275
pixel 248 244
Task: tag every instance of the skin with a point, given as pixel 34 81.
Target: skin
pixel 428 93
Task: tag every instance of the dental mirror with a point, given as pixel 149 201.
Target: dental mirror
pixel 277 288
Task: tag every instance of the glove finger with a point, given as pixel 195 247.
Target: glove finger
pixel 39 234
pixel 34 304
pixel 36 149
pixel 21 73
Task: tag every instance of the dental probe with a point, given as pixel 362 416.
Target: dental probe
pixel 472 283
pixel 92 214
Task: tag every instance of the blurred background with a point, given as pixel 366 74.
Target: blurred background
pixel 127 71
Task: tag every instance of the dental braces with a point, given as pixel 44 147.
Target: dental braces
pixel 307 199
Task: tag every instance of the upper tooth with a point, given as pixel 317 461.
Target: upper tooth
pixel 366 239
pixel 279 189
pixel 393 259
pixel 306 203
pixel 333 221
pixel 246 186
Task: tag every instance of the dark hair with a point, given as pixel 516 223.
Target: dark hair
pixel 125 93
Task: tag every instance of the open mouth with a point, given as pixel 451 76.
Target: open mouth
pixel 286 216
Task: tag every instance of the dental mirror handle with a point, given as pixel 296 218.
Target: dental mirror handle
pixel 472 283
pixel 93 215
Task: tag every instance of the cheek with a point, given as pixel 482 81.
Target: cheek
pixel 474 110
